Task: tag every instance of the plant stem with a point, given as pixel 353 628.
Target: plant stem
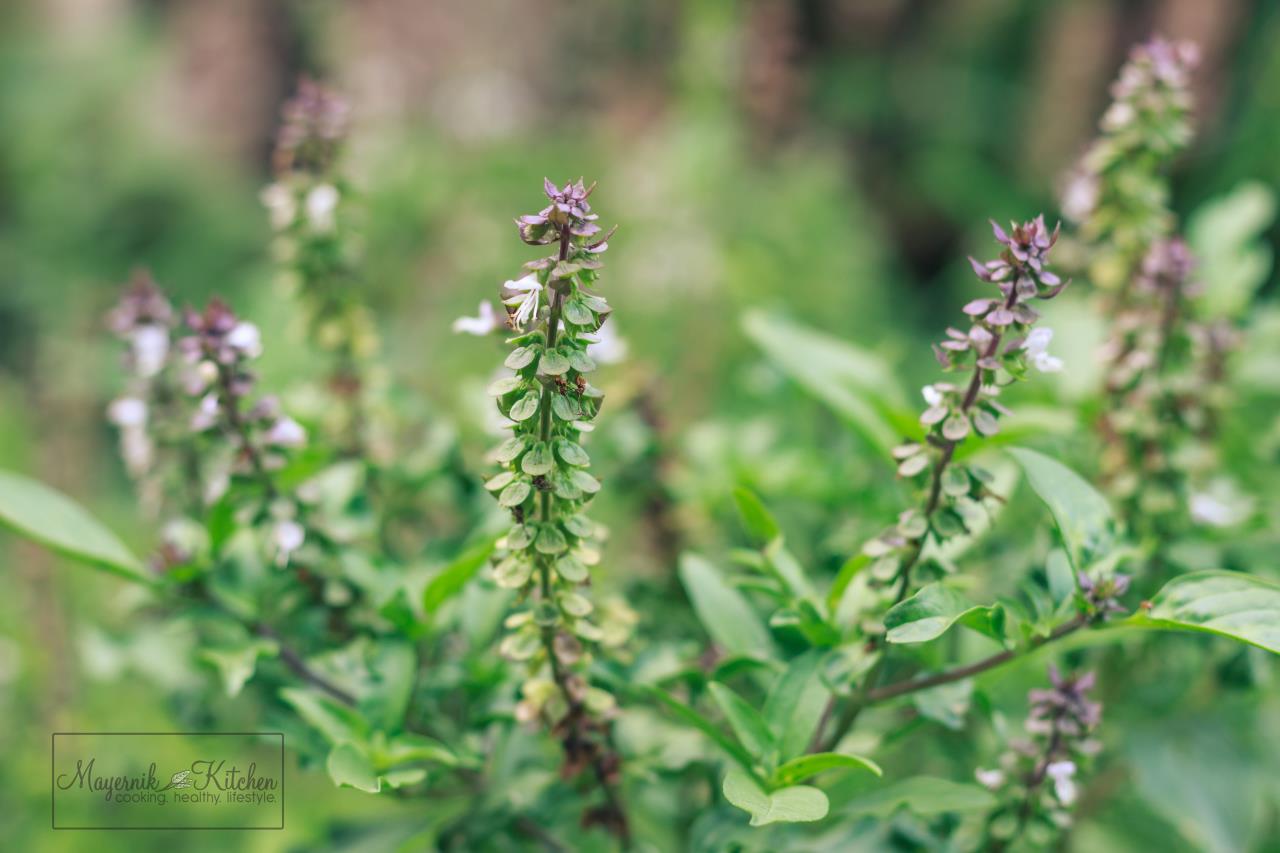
pixel 612 796
pixel 850 713
pixel 875 695
pixel 231 404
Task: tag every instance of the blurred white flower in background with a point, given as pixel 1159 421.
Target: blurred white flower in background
pixel 484 323
pixel 281 207
pixel 1037 347
pixel 322 204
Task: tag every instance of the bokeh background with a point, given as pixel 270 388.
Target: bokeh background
pixel 832 161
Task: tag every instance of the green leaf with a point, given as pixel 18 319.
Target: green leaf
pixel 692 718
pixel 947 704
pixel 576 312
pixel 32 509
pixel 514 494
pixel 929 613
pixel 795 703
pixel 799 769
pixel 236 665
pixel 408 747
pixel 756 518
pixel 1082 515
pixel 723 611
pixel 538 460
pixel 788 569
pixel 796 804
pixel 572 453
pixel 857 384
pixel 526 407
pixel 746 722
pixel 337 723
pixel 1228 604
pixel 1233 259
pixel 553 363
pixel 453 577
pixel 924 795
pixel 349 767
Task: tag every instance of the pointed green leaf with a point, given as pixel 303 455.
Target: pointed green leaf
pixel 1082 515
pixel 795 703
pixel 796 804
pixel 237 665
pixel 1229 604
pixel 691 717
pixel 756 518
pixel 37 512
pixel 929 613
pixel 723 611
pixel 746 722
pixel 799 769
pixel 924 795
pixel 453 577
pixel 858 385
pixel 350 768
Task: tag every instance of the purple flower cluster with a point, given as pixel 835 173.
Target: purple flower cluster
pixel 1064 712
pixel 315 125
pixel 568 207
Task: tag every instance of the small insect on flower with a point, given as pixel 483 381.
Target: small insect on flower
pixel 522 298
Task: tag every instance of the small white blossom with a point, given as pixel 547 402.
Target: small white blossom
pixel 206 414
pixel 484 323
pixel 1220 505
pixel 989 778
pixel 150 348
pixel 246 338
pixel 287 537
pixel 931 395
pixel 322 204
pixel 1064 785
pixel 525 299
pixel 1037 347
pixel 128 412
pixel 137 449
pixel 286 432
pixel 281 207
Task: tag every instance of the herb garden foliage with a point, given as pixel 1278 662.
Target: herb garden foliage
pixel 282 539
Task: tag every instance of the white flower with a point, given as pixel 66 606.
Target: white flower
pixel 1064 786
pixel 482 324
pixel 128 412
pixel 989 778
pixel 206 413
pixel 245 338
pixel 286 432
pixel 1037 346
pixel 609 346
pixel 1080 196
pixel 280 205
pixel 137 449
pixel 150 347
pixel 932 396
pixel 287 537
pixel 525 299
pixel 322 203
pixel 1220 505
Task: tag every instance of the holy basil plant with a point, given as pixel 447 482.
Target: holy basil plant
pixel 448 630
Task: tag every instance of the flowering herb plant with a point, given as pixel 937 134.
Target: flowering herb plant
pixel 446 630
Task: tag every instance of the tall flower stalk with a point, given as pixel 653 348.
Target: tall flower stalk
pixel 1154 390
pixel 310 208
pixel 1000 346
pixel 555 314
